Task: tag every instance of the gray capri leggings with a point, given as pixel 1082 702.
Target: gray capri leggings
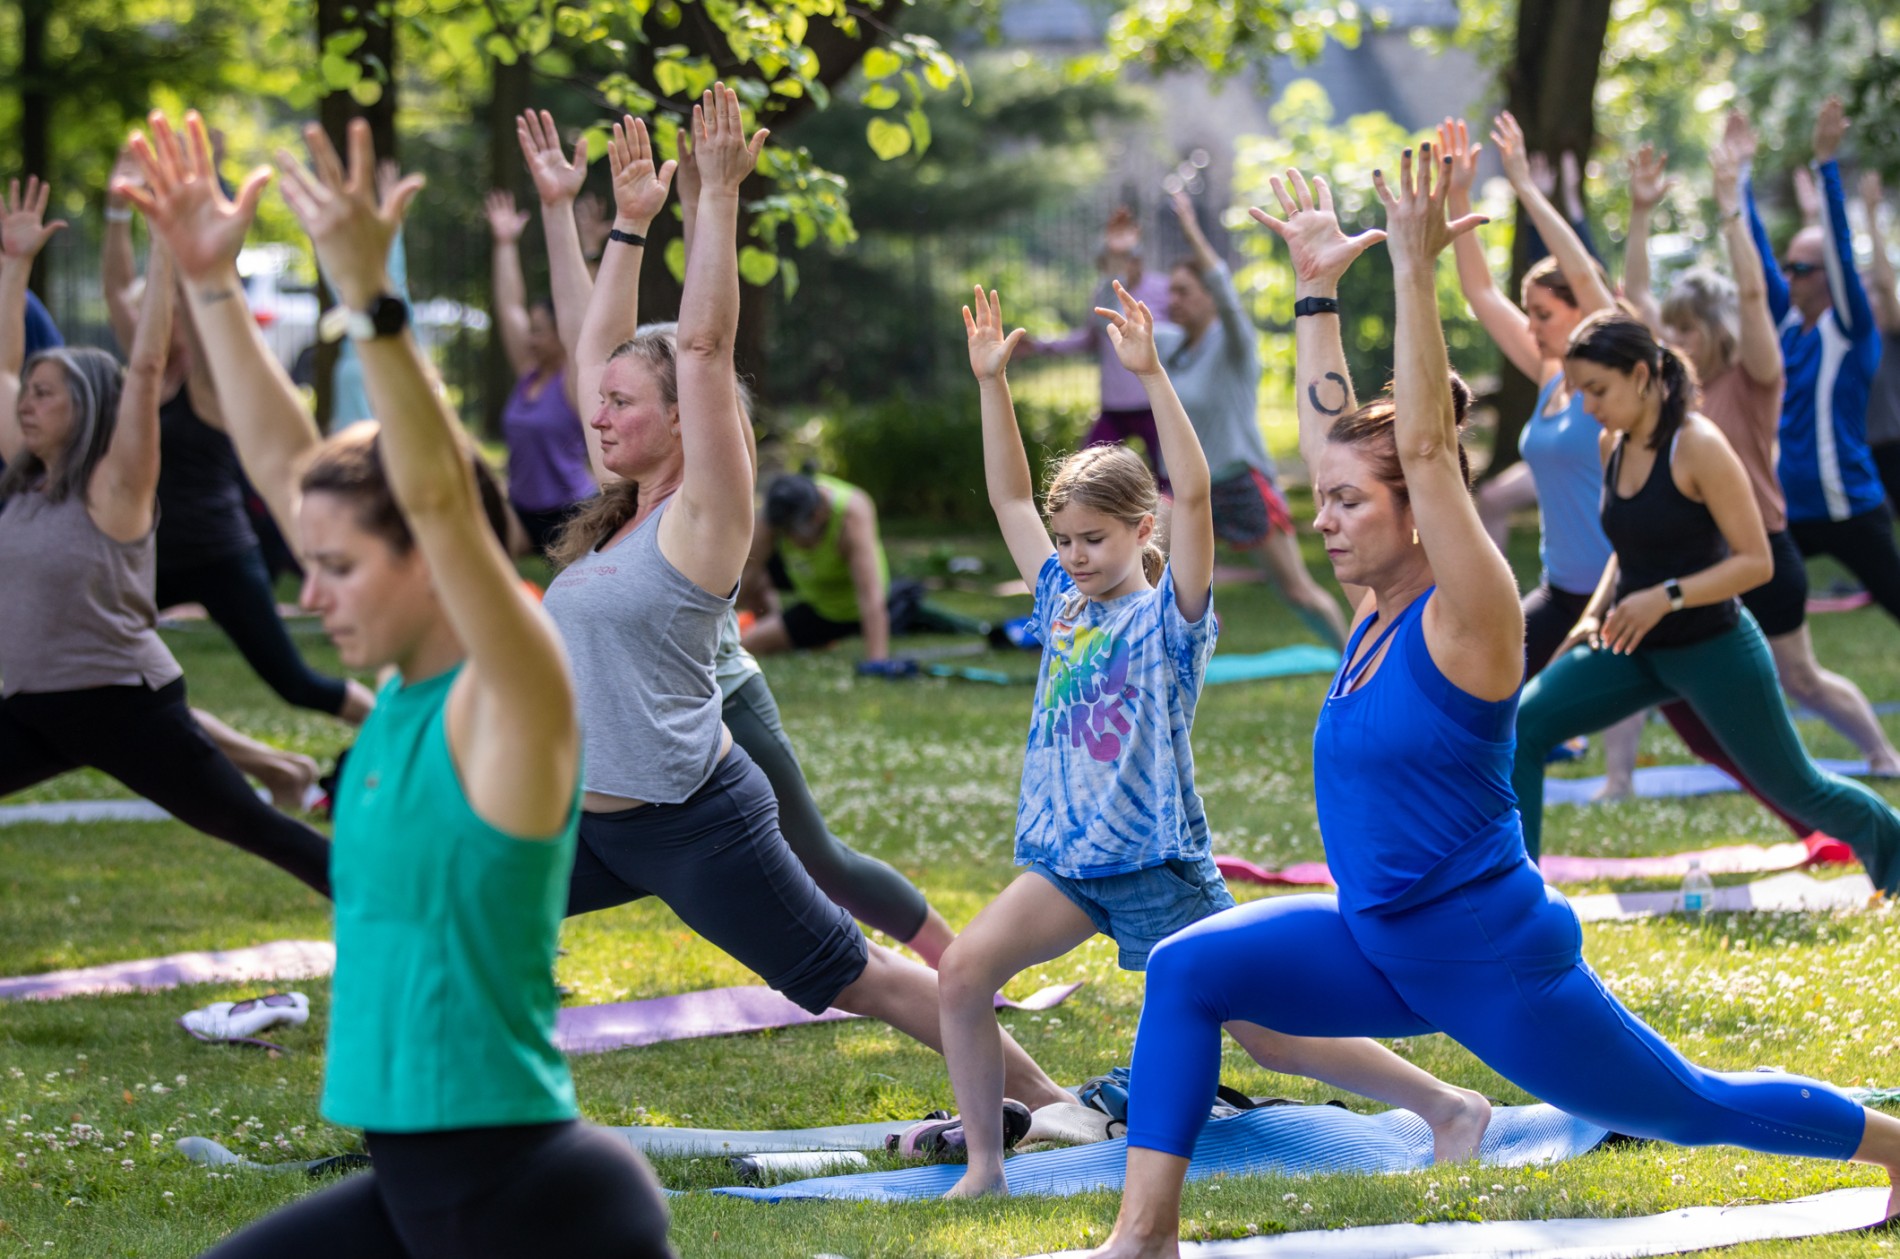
pixel 869 889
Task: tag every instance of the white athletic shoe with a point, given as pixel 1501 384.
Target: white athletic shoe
pixel 240 1021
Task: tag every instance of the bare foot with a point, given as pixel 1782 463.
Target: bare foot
pixel 1883 767
pixel 1621 789
pixel 980 1184
pixel 1122 1245
pixel 288 778
pixel 1457 1132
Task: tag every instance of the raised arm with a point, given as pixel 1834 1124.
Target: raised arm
pixel 23 233
pixel 1218 282
pixel 184 206
pixel 511 722
pixel 708 533
pixel 1758 349
pixel 1648 187
pixel 1880 276
pixel 1500 317
pixel 505 225
pixel 1473 625
pixel 613 312
pixel 859 542
pixel 1005 466
pixel 1738 137
pixel 1852 311
pixel 1131 330
pixel 557 182
pixel 1579 268
pixel 118 270
pixel 1320 254
pixel 122 495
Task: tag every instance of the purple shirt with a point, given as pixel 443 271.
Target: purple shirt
pixel 547 451
pixel 1121 388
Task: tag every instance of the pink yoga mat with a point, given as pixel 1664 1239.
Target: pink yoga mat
pixel 593 1029
pixel 280 959
pixel 1817 849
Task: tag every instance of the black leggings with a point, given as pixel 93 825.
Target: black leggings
pixel 237 595
pixel 873 891
pixel 148 740
pixel 1549 616
pixel 543 1189
pixel 1887 463
pixel 1864 545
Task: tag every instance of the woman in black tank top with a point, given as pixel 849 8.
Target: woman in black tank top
pixel 1665 623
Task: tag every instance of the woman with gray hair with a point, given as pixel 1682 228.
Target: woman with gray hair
pixel 84 677
pixel 1725 329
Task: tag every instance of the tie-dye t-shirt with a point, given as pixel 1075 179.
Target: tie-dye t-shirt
pixel 1108 780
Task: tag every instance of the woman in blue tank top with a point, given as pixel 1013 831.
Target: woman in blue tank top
pixel 1559 442
pixel 456 816
pixel 1441 923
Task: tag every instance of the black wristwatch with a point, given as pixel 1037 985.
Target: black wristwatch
pixel 387 315
pixel 1673 589
pixel 1316 306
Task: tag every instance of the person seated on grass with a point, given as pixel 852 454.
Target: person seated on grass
pixel 1442 923
pixel 1109 821
pixel 817 539
pixel 85 679
pixel 457 811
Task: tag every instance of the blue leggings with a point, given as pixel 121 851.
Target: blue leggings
pixel 1496 965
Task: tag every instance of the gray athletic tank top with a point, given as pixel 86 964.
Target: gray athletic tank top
pixel 641 635
pixel 733 665
pixel 75 607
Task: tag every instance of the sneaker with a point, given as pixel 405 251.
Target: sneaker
pixel 238 1022
pixel 943 1138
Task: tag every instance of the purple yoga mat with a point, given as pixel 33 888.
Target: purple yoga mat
pixel 280 959
pixel 594 1029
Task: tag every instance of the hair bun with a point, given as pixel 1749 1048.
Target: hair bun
pixel 1460 398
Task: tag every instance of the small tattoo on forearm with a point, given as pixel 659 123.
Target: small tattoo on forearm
pixel 1345 392
pixel 216 295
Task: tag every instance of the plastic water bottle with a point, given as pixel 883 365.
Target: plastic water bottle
pixel 1698 892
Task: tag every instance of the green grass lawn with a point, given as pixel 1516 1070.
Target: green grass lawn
pixel 923 773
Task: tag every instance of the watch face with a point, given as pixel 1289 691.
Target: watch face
pixel 389 315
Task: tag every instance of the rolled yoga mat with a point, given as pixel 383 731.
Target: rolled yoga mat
pixel 704 1141
pixel 1672 1233
pixel 593 1029
pixel 1291 1140
pixel 280 959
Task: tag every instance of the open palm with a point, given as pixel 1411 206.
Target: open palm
pixel 23 229
pixel 639 188
pixel 556 178
pixel 989 347
pixel 182 201
pixel 1319 250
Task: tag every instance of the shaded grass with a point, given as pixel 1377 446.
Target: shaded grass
pixel 924 774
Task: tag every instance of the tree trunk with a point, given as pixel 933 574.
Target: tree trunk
pixel 36 100
pixel 513 86
pixel 1551 88
pixel 377 55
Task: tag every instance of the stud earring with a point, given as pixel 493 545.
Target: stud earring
pixel 1415 536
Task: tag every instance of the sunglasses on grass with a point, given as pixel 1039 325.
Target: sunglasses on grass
pixel 272 1000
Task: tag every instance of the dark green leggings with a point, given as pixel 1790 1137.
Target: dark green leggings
pixel 1730 682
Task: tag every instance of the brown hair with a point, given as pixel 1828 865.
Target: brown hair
pixel 1112 480
pixel 1370 431
pixel 617 501
pixel 350 465
pixel 1547 275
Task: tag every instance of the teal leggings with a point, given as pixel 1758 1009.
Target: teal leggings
pixel 1730 682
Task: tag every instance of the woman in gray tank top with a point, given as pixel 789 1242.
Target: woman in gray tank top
pixel 84 678
pixel 672 809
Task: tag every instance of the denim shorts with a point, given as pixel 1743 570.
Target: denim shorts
pixel 1140 909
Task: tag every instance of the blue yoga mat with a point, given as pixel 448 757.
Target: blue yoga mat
pixel 1669 780
pixel 1284 1139
pixel 1281 662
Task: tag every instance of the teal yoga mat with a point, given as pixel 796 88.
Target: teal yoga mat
pixel 1280 1139
pixel 1281 662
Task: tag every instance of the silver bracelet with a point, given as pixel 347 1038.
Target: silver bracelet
pixel 118 214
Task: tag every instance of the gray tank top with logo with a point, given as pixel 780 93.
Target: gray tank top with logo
pixel 76 608
pixel 642 636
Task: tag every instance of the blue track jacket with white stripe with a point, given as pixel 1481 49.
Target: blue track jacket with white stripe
pixel 1825 467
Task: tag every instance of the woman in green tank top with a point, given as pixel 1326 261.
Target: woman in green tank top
pixel 457 812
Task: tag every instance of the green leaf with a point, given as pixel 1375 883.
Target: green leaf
pixel 676 258
pixel 670 76
pixel 757 266
pixel 919 128
pixel 795 27
pixel 879 96
pixel 788 87
pixel 340 74
pixel 366 92
pixel 880 63
pixel 501 48
pixel 788 274
pixel 343 43
pixel 888 139
pixel 804 229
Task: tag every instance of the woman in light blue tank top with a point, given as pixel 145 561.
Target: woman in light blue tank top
pixel 456 817
pixel 1441 922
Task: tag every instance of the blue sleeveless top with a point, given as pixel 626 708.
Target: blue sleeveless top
pixel 1562 452
pixel 1412 776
